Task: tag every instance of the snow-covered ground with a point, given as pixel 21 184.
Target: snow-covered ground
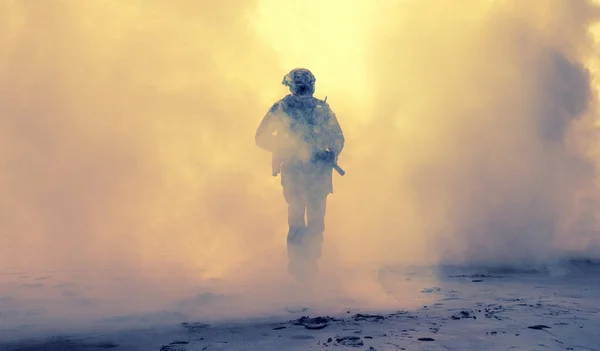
pixel 426 308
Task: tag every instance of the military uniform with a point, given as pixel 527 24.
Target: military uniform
pixel 305 138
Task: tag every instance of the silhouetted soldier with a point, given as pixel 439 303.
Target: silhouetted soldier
pixel 305 138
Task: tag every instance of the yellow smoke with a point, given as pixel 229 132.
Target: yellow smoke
pixel 127 131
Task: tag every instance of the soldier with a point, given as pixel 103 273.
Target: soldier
pixel 304 136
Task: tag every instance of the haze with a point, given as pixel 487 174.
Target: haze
pixel 127 137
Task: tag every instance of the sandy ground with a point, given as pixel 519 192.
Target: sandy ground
pixel 484 309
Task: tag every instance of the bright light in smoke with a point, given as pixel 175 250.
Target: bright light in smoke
pixel 328 37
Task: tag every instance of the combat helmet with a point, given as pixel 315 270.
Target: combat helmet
pixel 301 81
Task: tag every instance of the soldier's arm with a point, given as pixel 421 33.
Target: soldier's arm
pixel 337 136
pixel 264 137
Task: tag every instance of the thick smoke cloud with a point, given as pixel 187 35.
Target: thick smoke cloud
pixel 489 107
pixel 127 138
pixel 123 138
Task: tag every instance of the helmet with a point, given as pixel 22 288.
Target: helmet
pixel 300 81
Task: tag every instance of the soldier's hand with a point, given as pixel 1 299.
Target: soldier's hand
pixel 325 156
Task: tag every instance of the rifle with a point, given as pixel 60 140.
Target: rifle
pixel 338 169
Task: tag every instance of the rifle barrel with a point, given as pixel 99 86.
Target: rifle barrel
pixel 338 169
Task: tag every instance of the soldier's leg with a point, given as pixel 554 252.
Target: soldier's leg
pixel 315 213
pixel 296 223
pixel 297 227
pixel 293 195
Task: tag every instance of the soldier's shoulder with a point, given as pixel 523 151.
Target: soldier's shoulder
pixel 278 104
pixel 322 105
pixel 320 101
pixel 286 100
pixel 274 107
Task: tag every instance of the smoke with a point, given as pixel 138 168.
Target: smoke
pixel 127 137
pixel 486 112
pixel 130 139
pixel 127 147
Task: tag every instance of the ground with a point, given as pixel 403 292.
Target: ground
pixel 475 309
